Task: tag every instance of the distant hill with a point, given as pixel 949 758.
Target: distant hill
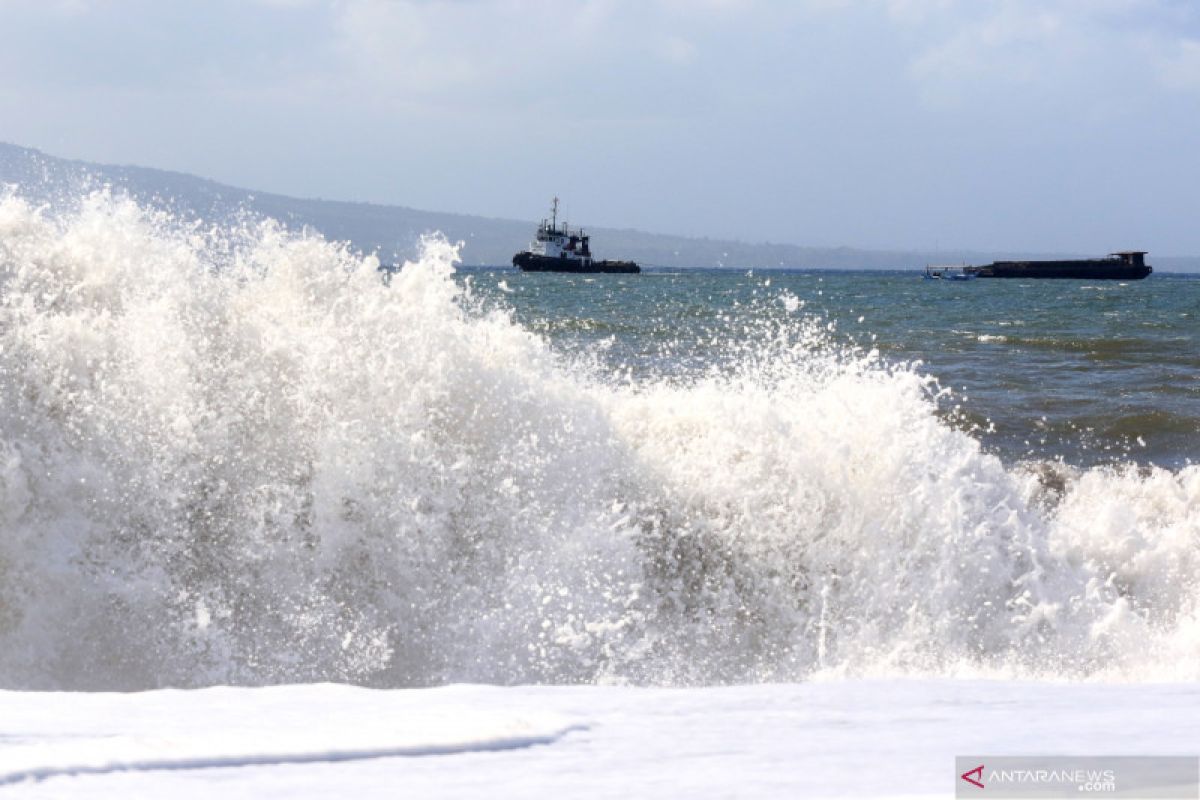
pixel 394 231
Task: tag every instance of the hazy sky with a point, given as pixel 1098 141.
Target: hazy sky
pixel 1052 125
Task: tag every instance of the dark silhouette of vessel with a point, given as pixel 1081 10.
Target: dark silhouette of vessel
pixel 560 249
pixel 1128 265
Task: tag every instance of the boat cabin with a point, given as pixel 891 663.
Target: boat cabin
pixel 1134 258
pixel 553 241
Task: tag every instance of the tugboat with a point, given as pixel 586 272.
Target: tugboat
pixel 560 249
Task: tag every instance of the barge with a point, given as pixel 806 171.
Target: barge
pixel 1128 265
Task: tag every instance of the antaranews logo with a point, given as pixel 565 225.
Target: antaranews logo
pixel 977 772
pixel 1058 776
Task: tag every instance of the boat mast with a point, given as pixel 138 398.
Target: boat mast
pixel 554 214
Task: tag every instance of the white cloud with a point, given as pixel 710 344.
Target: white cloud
pixel 579 60
pixel 917 10
pixel 707 6
pixel 408 47
pixel 1011 46
pixel 1179 66
pixel 677 50
pixel 405 47
pixel 1054 49
pixel 65 8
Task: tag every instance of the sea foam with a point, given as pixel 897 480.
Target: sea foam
pixel 235 454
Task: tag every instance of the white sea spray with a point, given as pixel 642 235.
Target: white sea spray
pixel 238 455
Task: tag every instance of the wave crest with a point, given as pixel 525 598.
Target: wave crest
pixel 236 455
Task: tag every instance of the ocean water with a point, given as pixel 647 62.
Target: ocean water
pixel 1085 373
pixel 233 454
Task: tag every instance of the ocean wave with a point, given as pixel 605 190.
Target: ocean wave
pixel 235 455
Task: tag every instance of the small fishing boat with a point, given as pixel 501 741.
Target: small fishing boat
pixel 949 273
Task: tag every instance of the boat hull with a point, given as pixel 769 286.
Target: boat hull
pixel 1100 269
pixel 531 262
